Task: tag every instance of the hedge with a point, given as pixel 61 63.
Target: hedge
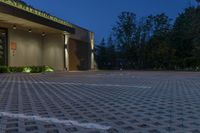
pixel 26 69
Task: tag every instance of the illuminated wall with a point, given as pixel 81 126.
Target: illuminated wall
pixel 53 51
pixel 82 41
pixel 28 48
pixel 35 50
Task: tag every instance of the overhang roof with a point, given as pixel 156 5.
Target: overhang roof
pixel 16 9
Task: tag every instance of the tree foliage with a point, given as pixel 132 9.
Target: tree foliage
pixel 154 42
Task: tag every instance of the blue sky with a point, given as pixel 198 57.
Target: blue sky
pixel 99 16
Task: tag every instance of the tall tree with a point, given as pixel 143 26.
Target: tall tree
pixel 153 42
pixel 158 53
pixel 111 52
pixel 161 25
pixel 124 32
pixel 186 36
pixel 101 54
pixel 144 33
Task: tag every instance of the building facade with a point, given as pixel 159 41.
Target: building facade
pixel 29 37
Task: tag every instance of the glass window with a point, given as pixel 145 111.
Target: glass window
pixel 3 46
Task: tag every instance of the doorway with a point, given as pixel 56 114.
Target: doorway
pixel 3 47
pixel 78 55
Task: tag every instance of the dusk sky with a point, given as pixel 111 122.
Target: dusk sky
pixel 99 16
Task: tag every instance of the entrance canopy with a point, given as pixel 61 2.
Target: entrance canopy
pixel 15 14
pixel 8 21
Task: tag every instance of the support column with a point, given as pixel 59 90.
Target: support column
pixel 92 51
pixel 66 54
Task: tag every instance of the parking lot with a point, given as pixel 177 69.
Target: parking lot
pixel 100 102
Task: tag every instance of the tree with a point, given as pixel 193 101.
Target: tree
pixel 144 33
pixel 111 53
pixel 154 45
pixel 198 1
pixel 161 25
pixel 101 55
pixel 153 42
pixel 186 36
pixel 124 33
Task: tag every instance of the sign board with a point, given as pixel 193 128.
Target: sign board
pixel 13 46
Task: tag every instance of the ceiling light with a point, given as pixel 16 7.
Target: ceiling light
pixel 30 30
pixel 14 27
pixel 43 34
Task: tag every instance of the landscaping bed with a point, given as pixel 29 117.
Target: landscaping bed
pixel 26 69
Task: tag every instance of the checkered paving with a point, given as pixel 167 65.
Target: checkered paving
pixel 126 102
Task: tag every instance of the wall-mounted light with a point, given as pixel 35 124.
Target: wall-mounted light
pixel 30 30
pixel 14 27
pixel 43 34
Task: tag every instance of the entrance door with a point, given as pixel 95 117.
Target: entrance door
pixel 78 55
pixel 3 47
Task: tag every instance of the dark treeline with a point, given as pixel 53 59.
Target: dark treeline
pixel 153 42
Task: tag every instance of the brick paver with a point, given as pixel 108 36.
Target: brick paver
pixel 123 102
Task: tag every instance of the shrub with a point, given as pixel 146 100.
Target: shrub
pixel 4 69
pixel 36 69
pixel 16 69
pixel 27 69
pixel 47 69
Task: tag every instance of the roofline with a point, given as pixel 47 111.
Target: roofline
pixel 74 25
pixel 35 12
pixel 27 8
pixel 14 11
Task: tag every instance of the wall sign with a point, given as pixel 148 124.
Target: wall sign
pixel 13 46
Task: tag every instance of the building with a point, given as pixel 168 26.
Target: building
pixel 30 37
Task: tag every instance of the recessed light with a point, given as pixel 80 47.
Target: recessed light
pixel 30 30
pixel 14 27
pixel 43 34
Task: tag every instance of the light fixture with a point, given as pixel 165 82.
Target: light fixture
pixel 43 34
pixel 14 27
pixel 30 30
pixel 3 33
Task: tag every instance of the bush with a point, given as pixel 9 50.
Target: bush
pixel 4 69
pixel 47 69
pixel 27 69
pixel 16 69
pixel 36 69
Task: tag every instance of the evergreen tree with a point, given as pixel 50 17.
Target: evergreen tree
pixel 111 53
pixel 101 55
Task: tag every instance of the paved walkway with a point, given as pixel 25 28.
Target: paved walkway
pixel 100 102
